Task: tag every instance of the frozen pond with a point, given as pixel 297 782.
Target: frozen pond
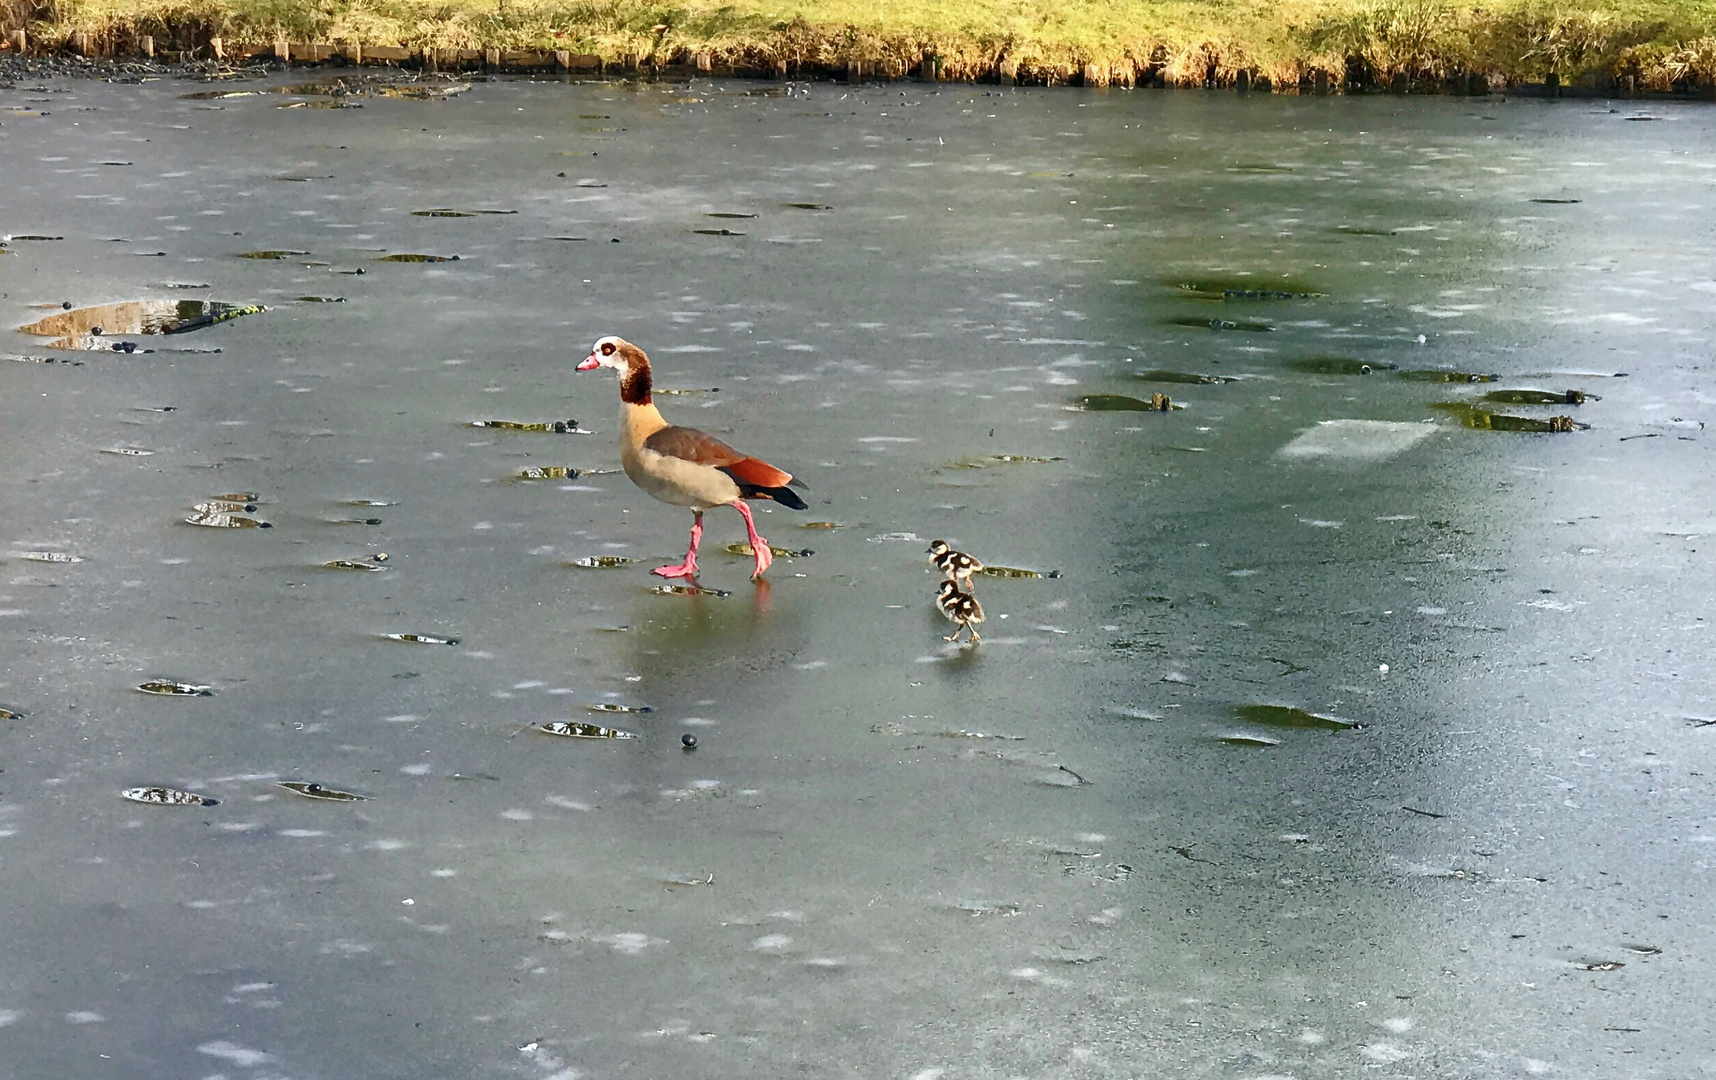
pixel 1503 870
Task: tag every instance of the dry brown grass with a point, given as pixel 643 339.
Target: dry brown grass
pixel 1663 43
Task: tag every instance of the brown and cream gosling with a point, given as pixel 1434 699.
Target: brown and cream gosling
pixel 961 608
pixel 956 566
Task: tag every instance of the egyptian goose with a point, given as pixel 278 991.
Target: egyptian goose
pixel 684 466
pixel 961 608
pixel 956 566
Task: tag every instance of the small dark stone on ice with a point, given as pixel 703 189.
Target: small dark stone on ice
pixel 67 305
pixel 688 740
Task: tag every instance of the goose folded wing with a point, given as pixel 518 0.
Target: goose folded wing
pixel 689 444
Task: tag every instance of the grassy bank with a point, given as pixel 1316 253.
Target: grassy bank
pixel 1659 45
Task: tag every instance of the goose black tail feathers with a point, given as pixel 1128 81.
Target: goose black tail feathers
pixel 786 496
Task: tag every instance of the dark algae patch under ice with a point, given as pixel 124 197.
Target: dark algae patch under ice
pixel 1539 397
pixel 311 790
pixel 90 328
pixel 1290 717
pixel 556 427
pixel 571 729
pixel 168 688
pixel 1184 377
pixel 1483 420
pixel 1442 375
pixel 165 796
pixel 1124 403
pixel 1245 288
pixel 1336 365
pixel 1246 326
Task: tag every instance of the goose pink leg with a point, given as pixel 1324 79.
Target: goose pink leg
pixel 688 568
pixel 759 547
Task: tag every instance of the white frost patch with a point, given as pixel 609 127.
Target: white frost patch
pixel 928 1074
pixel 629 942
pixel 1311 1037
pixel 235 1053
pixel 1399 1025
pixel 1359 440
pixel 388 845
pixel 689 349
pixel 1385 1053
pixel 772 943
pixel 1106 917
pixel 8 1017
pixel 517 815
pixel 301 834
pixel 566 804
pixel 1320 523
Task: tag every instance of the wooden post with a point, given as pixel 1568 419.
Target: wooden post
pixel 1093 76
pixel 1242 82
pixel 854 71
pixel 80 43
pixel 1628 84
pixel 780 69
pixel 217 48
pixel 929 69
pixel 146 46
pixel 283 51
pixel 20 42
pixel 1552 84
pixel 1007 70
pixel 429 58
pixel 491 59
pixel 1320 81
pixel 563 59
pixel 703 62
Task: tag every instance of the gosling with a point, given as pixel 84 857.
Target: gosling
pixel 956 566
pixel 961 609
